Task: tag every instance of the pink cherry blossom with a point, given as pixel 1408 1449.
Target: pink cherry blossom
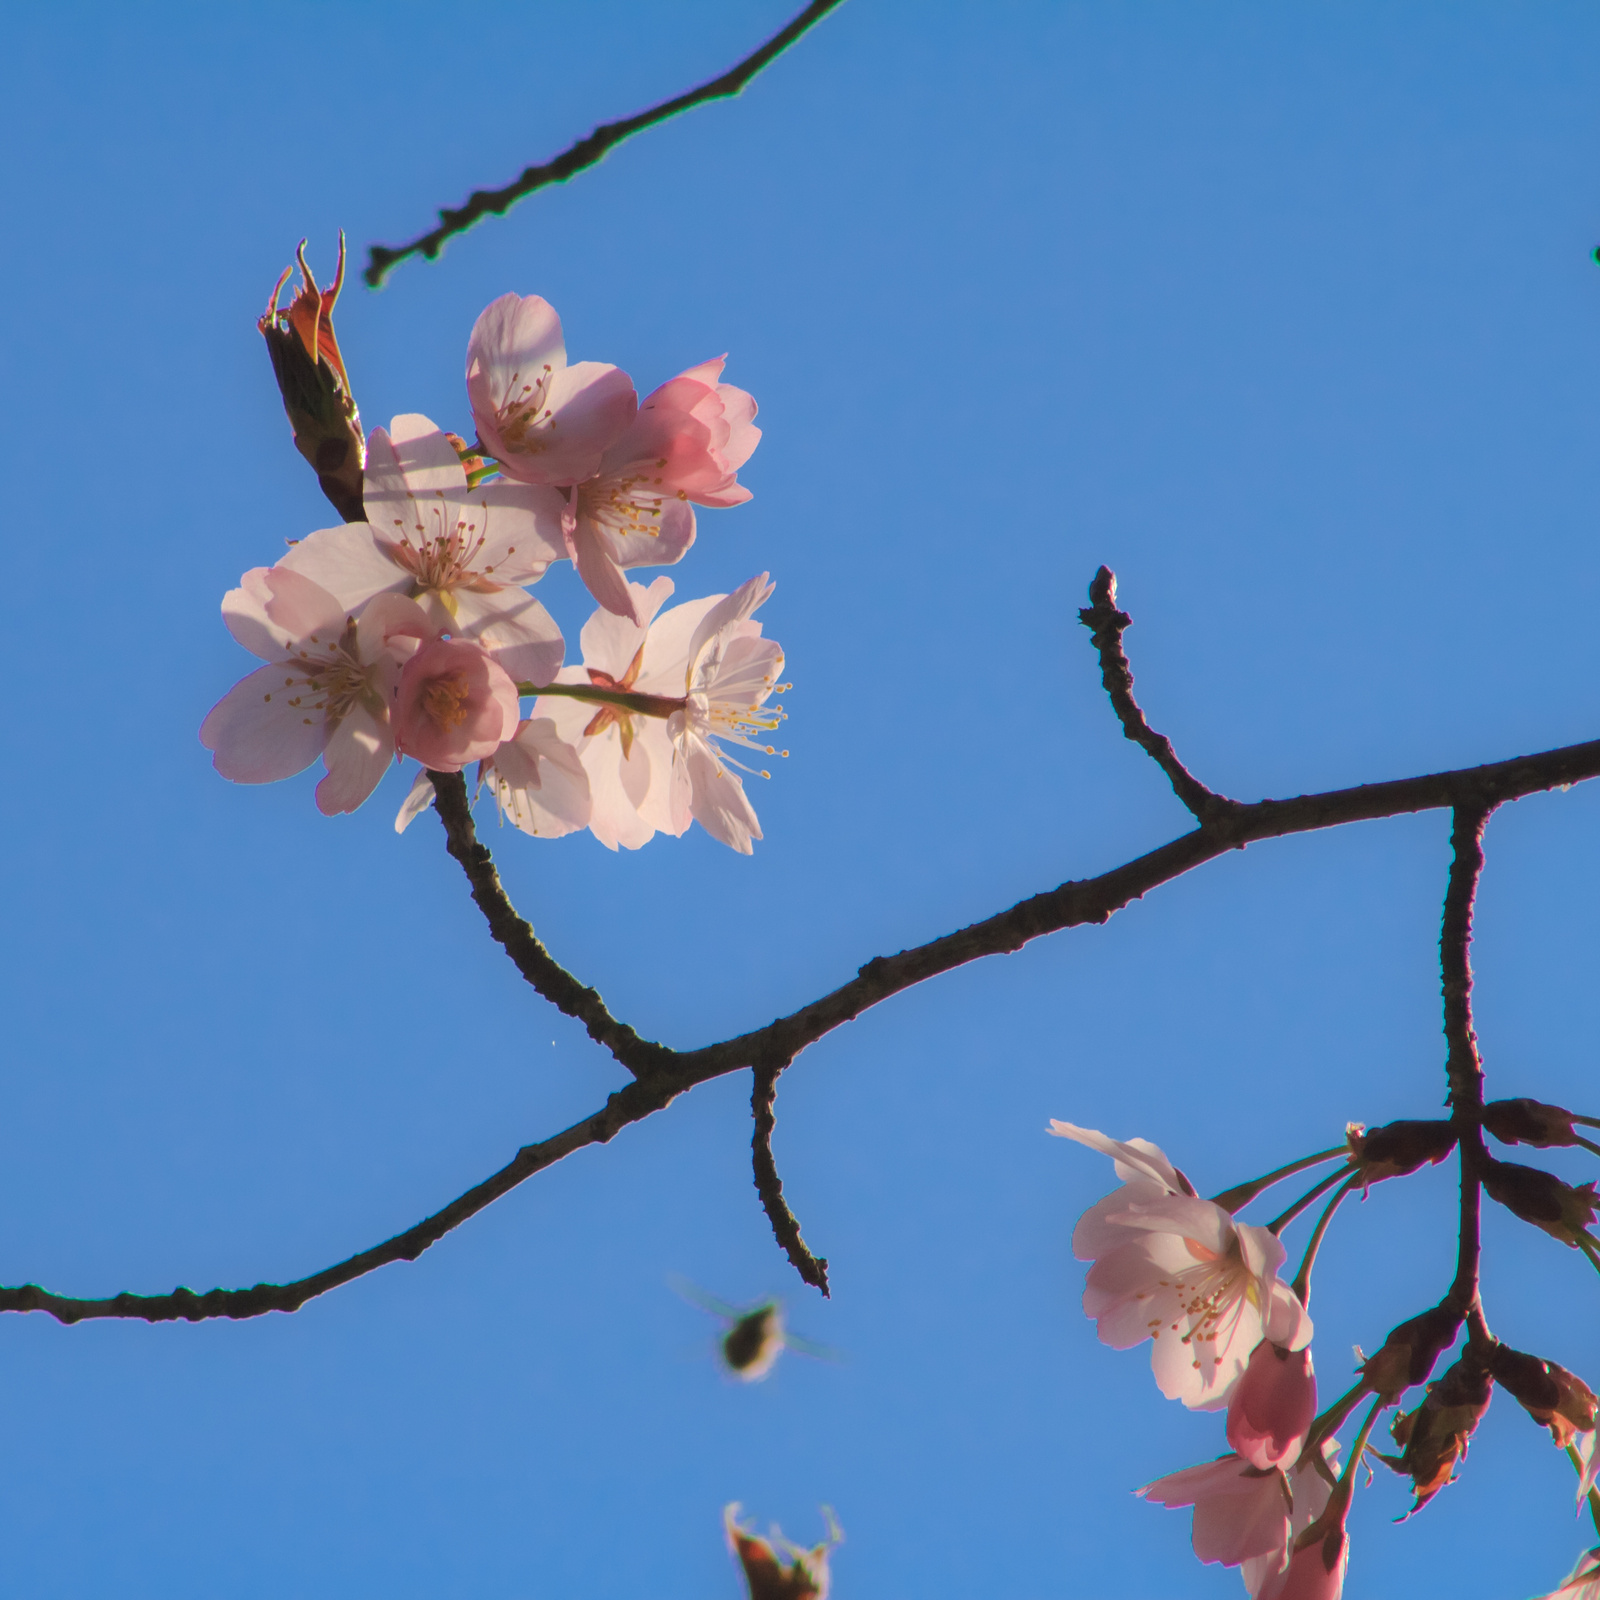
pixel 536 778
pixel 1309 1493
pixel 1245 1516
pixel 1176 1269
pixel 462 553
pixel 454 703
pixel 626 755
pixel 1240 1511
pixel 710 672
pixel 1583 1582
pixel 545 422
pixel 1272 1406
pixel 326 690
pixel 686 444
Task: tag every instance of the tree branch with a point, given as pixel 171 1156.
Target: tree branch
pixel 1463 1065
pixel 1106 624
pixel 785 1228
pixel 382 259
pixel 662 1073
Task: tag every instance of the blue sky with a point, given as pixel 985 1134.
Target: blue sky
pixel 1287 314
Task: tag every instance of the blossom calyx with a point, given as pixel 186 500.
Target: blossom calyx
pixel 1559 1400
pixel 1408 1354
pixel 1563 1210
pixel 315 386
pixel 1398 1148
pixel 1524 1121
pixel 804 1576
pixel 1434 1437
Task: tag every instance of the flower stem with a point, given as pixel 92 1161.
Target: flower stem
pixel 1302 1279
pixel 1242 1194
pixel 1588 1144
pixel 1594 1493
pixel 647 705
pixel 1332 1420
pixel 1278 1224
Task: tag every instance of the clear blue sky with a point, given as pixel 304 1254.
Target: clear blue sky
pixel 1285 313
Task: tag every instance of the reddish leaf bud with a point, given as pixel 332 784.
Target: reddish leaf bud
pixel 1529 1122
pixel 1408 1354
pixel 804 1577
pixel 1398 1147
pixel 1559 1400
pixel 315 387
pixel 1563 1211
pixel 1434 1437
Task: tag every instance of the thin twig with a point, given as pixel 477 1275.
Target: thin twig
pixel 382 259
pixel 1463 1065
pixel 785 1227
pixel 663 1073
pixel 1302 1279
pixel 1106 625
pixel 1279 1223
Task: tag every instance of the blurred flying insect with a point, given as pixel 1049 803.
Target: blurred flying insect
pixel 755 1336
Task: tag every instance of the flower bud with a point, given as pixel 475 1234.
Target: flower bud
pixel 1529 1122
pixel 1272 1406
pixel 805 1577
pixel 1398 1147
pixel 1316 1568
pixel 1552 1396
pixel 315 387
pixel 1563 1211
pixel 1434 1437
pixel 1408 1354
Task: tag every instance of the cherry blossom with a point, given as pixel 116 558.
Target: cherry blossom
pixel 626 755
pixel 700 675
pixel 545 422
pixel 1309 1576
pixel 1583 1582
pixel 454 703
pixel 1272 1406
pixel 1178 1270
pixel 1245 1516
pixel 326 690
pixel 687 443
pixel 463 553
pixel 536 778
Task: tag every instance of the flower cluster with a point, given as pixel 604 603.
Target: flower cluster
pixel 409 630
pixel 1225 1332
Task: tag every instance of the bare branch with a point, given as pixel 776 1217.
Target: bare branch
pixel 662 1073
pixel 1463 1065
pixel 382 258
pixel 1106 624
pixel 763 1094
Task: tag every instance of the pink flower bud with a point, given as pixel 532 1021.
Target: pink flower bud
pixel 454 704
pixel 1315 1571
pixel 1272 1407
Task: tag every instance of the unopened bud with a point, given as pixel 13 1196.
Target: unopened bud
pixel 1559 1400
pixel 1408 1354
pixel 1434 1437
pixel 1398 1147
pixel 804 1576
pixel 315 386
pixel 1529 1122
pixel 1562 1210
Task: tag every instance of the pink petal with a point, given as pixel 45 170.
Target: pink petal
pixel 357 757
pixel 257 735
pixel 1271 1408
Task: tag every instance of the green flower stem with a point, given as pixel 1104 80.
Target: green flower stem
pixel 1242 1194
pixel 646 705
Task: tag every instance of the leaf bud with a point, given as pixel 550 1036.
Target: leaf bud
pixel 1561 1209
pixel 315 386
pixel 1398 1147
pixel 1434 1437
pixel 1524 1121
pixel 1557 1399
pixel 1408 1354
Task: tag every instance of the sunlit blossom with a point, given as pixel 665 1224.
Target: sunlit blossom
pixel 1178 1270
pixel 326 691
